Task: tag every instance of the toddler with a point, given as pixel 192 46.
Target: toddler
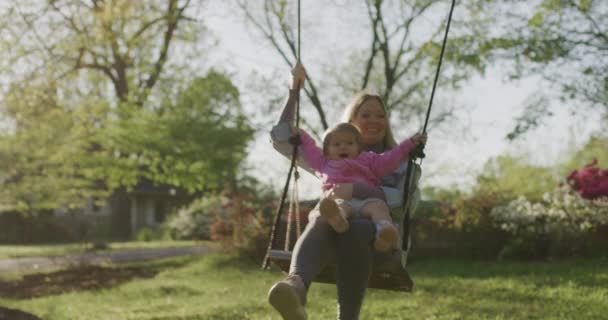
pixel 342 161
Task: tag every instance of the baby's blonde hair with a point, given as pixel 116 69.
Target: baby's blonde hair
pixel 341 127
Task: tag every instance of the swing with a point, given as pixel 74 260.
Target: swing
pixel 388 271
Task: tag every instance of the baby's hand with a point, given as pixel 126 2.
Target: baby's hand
pixel 340 191
pixel 419 138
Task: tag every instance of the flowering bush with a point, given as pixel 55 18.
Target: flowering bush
pixel 590 182
pixel 194 221
pixel 562 215
pixel 238 221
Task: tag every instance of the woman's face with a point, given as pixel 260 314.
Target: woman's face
pixel 370 120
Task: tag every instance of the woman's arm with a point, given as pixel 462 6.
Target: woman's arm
pixel 283 130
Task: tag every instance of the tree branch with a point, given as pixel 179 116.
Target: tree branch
pixel 173 16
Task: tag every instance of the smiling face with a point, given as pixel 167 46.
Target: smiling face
pixel 370 120
pixel 342 144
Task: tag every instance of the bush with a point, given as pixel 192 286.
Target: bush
pixel 194 221
pixel 16 228
pixel 590 182
pixel 238 221
pixel 559 224
pixel 148 234
pixel 242 224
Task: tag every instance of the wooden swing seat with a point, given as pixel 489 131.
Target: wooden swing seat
pixel 387 272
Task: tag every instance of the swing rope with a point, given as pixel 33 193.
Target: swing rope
pixel 293 169
pixel 419 152
pixel 445 40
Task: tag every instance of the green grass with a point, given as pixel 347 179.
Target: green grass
pixel 20 251
pixel 221 287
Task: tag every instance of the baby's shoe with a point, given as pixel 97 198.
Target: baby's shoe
pixel 386 235
pixel 332 214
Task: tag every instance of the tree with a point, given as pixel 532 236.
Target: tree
pixel 46 158
pixel 196 142
pixel 512 176
pixel 563 41
pixel 58 156
pixel 107 67
pixel 127 43
pixel 394 61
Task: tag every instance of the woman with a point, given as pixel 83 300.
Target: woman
pixel 352 250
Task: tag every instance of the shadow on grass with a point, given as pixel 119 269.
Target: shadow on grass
pixel 14 314
pixel 85 277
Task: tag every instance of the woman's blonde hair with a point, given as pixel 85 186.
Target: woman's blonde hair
pixel 353 108
pixel 341 127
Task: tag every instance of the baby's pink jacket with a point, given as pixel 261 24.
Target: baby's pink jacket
pixel 369 167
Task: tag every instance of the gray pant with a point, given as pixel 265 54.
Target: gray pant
pixel 352 251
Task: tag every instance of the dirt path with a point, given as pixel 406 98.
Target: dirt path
pixel 96 258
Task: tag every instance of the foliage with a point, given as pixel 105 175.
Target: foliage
pixel 16 228
pixel 148 234
pixel 514 176
pixel 564 42
pixel 460 216
pixel 590 182
pixel 562 215
pixel 91 46
pixel 503 179
pixel 440 209
pixel 194 221
pixel 61 154
pixel 595 148
pixel 241 224
pixel 237 220
pixel 47 157
pixel 395 53
pixel 69 139
pixel 196 142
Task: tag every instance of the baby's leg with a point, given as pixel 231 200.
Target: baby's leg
pixel 386 232
pixel 335 213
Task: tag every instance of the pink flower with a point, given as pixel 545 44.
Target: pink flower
pixel 590 182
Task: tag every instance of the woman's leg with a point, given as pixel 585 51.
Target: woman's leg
pixel 354 255
pixel 288 296
pixel 312 248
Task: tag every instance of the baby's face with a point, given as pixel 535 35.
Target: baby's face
pixel 342 145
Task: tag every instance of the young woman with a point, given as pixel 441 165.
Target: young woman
pixel 353 249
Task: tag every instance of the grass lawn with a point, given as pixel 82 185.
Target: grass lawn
pixel 219 286
pixel 20 251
